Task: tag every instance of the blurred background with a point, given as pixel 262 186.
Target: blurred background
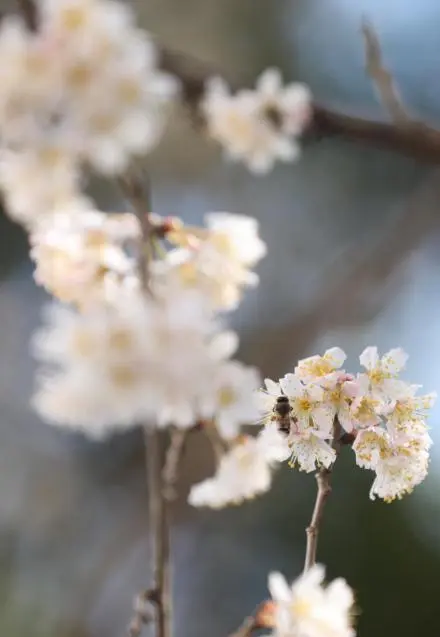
pixel 353 235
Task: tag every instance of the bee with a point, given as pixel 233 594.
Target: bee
pixel 281 414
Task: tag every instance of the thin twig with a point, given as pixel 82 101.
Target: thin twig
pixel 323 479
pixel 324 489
pixel 415 139
pixel 137 192
pixel 173 457
pixel 219 446
pixel 29 12
pixel 139 196
pixel 381 77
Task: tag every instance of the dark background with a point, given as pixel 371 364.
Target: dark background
pixel 353 236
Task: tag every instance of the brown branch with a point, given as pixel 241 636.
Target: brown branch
pixel 133 187
pixel 414 139
pixel 137 192
pixel 381 77
pixel 170 472
pixel 324 489
pixel 29 12
pixel 323 479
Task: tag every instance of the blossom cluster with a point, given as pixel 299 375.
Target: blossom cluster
pixel 119 356
pixel 309 609
pixel 383 414
pixel 83 89
pixel 258 126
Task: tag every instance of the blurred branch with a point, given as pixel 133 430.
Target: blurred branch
pixel 414 139
pixel 381 77
pixel 29 12
pixel 170 472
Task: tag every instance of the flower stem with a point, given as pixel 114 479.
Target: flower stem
pixel 159 594
pixel 312 531
pixel 323 479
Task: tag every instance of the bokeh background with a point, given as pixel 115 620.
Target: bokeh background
pixel 353 235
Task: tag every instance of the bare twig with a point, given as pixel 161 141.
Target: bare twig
pixel 415 139
pixel 324 489
pixel 137 190
pixel 159 594
pixel 323 479
pixel 29 12
pixel 170 472
pixel 219 446
pixel 381 77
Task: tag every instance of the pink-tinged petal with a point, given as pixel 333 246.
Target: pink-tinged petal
pixel 278 588
pixel 272 388
pixel 351 389
pixel 394 361
pixel 336 356
pixel 292 386
pixel 369 358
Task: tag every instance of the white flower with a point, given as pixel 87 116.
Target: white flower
pixel 316 367
pixel 409 411
pixel 85 87
pixel 37 181
pixel 309 451
pixel 243 473
pixel 230 400
pixel 158 359
pixel 400 464
pixel 307 405
pixel 258 127
pixel 217 260
pixel 382 372
pixel 80 256
pixel 265 399
pixel 308 609
pixel 274 444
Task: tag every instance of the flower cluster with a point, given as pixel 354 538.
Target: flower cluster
pixel 382 413
pixel 261 126
pixel 244 472
pixel 216 259
pixel 161 359
pixel 308 609
pixel 55 113
pixel 86 257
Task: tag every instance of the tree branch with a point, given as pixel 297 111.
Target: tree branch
pixel 324 489
pixel 414 139
pixel 381 77
pixel 158 594
pixel 29 12
pixel 323 479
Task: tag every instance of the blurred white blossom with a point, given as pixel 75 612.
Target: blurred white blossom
pixel 258 126
pixel 244 472
pixel 87 84
pixel 162 359
pixel 83 258
pixel 216 259
pixel 307 608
